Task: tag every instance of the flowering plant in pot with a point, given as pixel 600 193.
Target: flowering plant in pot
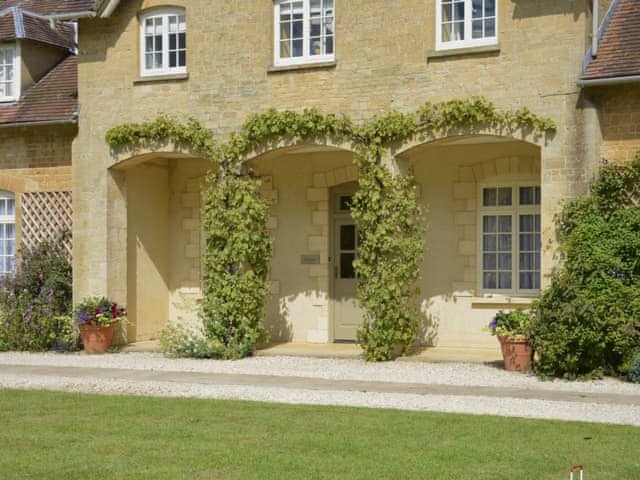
pixel 512 330
pixel 96 318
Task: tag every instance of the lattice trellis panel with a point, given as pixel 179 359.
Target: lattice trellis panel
pixel 44 214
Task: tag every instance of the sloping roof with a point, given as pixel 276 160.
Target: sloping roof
pixel 619 49
pixel 16 23
pixel 53 99
pixel 51 7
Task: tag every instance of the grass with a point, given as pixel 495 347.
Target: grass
pixel 47 435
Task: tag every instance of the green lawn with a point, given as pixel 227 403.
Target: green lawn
pixel 47 435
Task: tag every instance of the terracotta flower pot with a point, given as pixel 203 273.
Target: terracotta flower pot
pixel 96 339
pixel 516 352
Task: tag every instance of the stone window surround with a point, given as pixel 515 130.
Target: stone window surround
pixel 468 42
pixel 465 197
pixel 16 72
pixel 280 63
pixel 166 72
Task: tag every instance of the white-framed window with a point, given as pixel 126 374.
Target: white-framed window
pixel 510 241
pixel 466 23
pixel 163 42
pixel 9 72
pixel 7 233
pixel 304 31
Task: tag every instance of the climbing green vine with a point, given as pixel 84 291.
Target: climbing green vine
pixel 387 215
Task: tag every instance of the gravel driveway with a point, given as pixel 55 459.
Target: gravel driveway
pixel 450 387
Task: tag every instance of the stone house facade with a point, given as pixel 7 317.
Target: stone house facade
pixel 491 198
pixel 38 121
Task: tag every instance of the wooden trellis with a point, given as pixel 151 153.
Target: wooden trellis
pixel 44 215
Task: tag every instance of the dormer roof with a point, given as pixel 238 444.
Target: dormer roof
pixel 618 56
pixel 19 24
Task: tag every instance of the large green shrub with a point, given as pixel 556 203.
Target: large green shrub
pixel 588 321
pixel 236 262
pixel 35 302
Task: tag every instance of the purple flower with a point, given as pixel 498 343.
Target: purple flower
pixel 493 323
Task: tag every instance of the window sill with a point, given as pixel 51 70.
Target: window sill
pixel 501 301
pixel 302 66
pixel 174 77
pixel 463 51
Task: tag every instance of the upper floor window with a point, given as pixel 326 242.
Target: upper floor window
pixel 163 42
pixel 304 31
pixel 466 23
pixel 9 72
pixel 510 239
pixel 7 232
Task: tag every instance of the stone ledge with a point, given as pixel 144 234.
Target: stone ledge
pixel 178 77
pixel 501 301
pixel 301 66
pixel 457 52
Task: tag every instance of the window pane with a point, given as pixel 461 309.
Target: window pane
pixel 489 280
pixel 182 41
pixel 148 44
pixel 527 261
pixel 297 48
pixel 173 60
pixel 489 8
pixel 526 242
pixel 173 42
pixel 148 61
pixel 297 29
pixel 477 29
pixel 182 58
pixel 345 203
pixel 504 280
pixel 489 262
pixel 504 223
pixel 504 243
pixel 10 230
pixel 504 196
pixel 490 28
pixel 489 197
pixel 458 31
pixel 346 265
pixel 504 261
pixel 489 243
pixel 447 12
pixel 489 224
pixel 527 223
pixel 347 237
pixel 158 60
pixel 476 8
pixel 328 45
pixel 458 11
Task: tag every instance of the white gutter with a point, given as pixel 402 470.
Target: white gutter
pixel 41 123
pixel 594 29
pixel 108 10
pixel 608 81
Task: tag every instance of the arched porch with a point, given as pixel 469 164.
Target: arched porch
pixel 465 277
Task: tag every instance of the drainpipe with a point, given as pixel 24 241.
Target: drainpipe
pixel 594 28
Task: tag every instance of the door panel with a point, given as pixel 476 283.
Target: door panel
pixel 347 314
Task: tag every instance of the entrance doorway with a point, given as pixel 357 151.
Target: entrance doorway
pixel 346 313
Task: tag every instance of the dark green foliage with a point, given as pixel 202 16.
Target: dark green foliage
pixel 588 321
pixel 35 302
pixel 634 368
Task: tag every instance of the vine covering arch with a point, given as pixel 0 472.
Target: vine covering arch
pixel 237 251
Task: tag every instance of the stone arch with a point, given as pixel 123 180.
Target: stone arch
pixel 403 147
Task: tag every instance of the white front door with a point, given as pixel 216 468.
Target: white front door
pixel 347 314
